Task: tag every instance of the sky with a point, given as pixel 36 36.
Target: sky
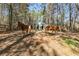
pixel 35 6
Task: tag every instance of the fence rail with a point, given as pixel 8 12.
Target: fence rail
pixel 3 27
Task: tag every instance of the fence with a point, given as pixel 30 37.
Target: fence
pixel 3 27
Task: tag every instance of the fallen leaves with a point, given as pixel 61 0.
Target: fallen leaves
pixel 37 44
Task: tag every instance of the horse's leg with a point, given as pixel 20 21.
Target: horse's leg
pixel 29 29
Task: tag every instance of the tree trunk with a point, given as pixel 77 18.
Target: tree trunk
pixel 10 16
pixel 70 26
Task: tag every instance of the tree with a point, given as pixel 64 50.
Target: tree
pixel 50 13
pixel 0 13
pixel 70 26
pixel 10 15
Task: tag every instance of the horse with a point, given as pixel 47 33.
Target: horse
pixel 24 27
pixel 53 28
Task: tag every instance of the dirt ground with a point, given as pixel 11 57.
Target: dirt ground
pixel 38 43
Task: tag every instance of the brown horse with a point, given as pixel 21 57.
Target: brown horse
pixel 24 27
pixel 53 28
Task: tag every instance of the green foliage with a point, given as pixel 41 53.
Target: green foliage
pixel 70 41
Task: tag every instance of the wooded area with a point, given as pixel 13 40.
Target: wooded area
pixel 39 29
pixel 49 14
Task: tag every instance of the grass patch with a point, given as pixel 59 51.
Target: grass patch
pixel 71 41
